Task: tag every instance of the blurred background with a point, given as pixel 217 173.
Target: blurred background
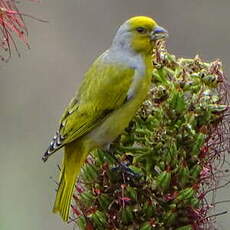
pixel 35 88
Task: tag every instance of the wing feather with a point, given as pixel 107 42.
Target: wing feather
pixel 103 90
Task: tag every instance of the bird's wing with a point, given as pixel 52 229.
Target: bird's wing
pixel 104 89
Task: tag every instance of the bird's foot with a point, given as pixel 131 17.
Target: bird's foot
pixel 124 169
pixel 121 166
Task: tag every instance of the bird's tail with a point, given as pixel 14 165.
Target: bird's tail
pixel 73 160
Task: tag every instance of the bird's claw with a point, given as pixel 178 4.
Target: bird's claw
pixel 126 170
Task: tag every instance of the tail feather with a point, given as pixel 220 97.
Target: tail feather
pixel 63 198
pixel 56 144
pixel 73 161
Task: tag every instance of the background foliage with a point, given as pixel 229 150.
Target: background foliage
pixel 168 160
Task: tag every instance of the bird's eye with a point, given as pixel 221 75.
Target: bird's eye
pixel 141 30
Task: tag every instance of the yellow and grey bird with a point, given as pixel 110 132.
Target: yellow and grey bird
pixel 112 90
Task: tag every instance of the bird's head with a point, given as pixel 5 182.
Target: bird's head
pixel 139 34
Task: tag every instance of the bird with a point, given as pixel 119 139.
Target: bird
pixel 111 92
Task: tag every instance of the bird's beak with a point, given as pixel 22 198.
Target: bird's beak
pixel 158 33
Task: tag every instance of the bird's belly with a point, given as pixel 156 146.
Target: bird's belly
pixel 118 120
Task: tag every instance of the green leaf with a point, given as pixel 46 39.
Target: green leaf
pixel 195 171
pixel 104 201
pixel 177 102
pixel 136 169
pixel 131 192
pixel 99 219
pixel 185 194
pixel 81 222
pixel 100 155
pixel 160 76
pixel 127 215
pixel 90 172
pixel 183 174
pixel 146 226
pixel 87 197
pixel 195 202
pixel 148 209
pixel 217 108
pixel 169 218
pixel 186 227
pixel 163 180
pixel 198 142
